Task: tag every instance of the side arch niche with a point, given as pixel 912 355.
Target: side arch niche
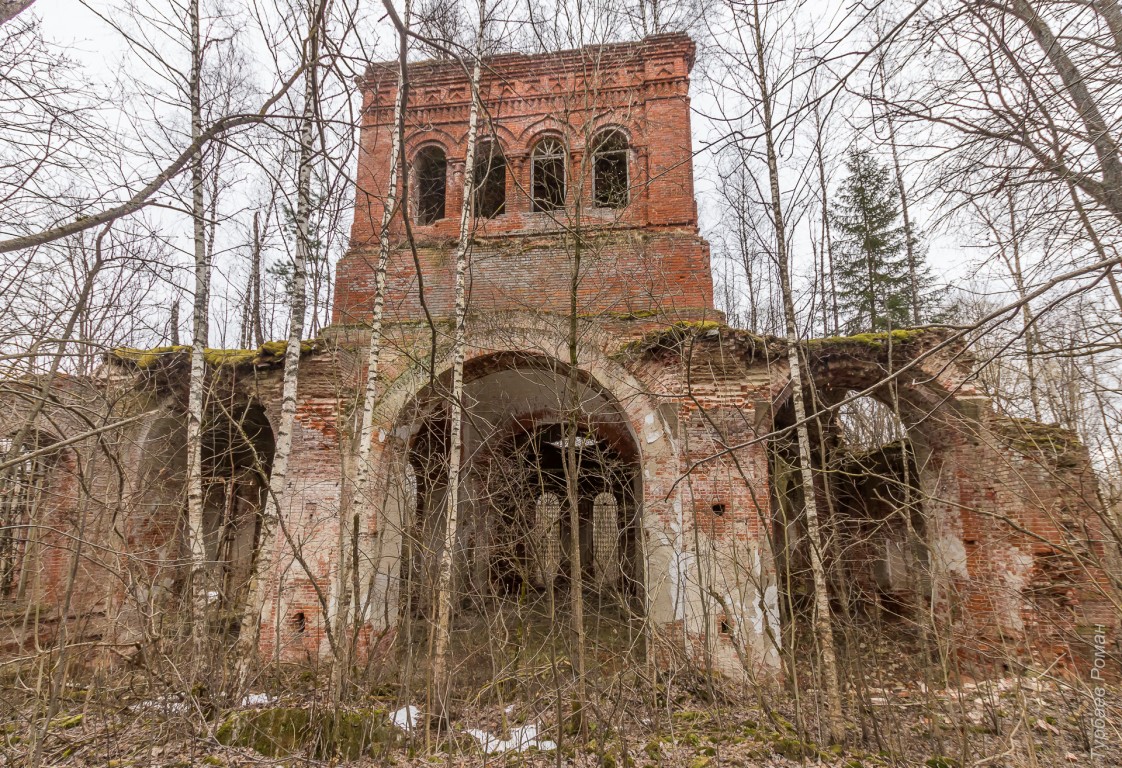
pixel 237 454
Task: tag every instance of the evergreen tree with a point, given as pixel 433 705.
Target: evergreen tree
pixel 871 263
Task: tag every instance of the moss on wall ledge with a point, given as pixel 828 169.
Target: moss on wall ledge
pixel 901 336
pixel 1051 442
pixel 268 354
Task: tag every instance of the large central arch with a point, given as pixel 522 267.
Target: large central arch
pixel 529 421
pixel 515 398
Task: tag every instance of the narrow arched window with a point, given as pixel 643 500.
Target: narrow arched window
pixel 490 180
pixel 547 538
pixel 431 171
pixel 610 179
pixel 547 171
pixel 605 539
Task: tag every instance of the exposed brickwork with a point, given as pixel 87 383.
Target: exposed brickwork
pixel 645 257
pixel 689 407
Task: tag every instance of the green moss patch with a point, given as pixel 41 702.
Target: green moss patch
pixel 269 353
pixel 280 731
pixel 901 336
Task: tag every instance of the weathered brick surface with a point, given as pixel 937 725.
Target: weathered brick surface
pixel 646 256
pixel 691 405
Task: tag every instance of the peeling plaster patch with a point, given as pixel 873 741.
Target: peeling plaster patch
pixel 654 437
pixel 771 605
pixel 649 419
pixel 949 551
pixel 1016 576
pixel 381 435
pixel 680 564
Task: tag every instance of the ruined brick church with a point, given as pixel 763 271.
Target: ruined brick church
pixel 686 507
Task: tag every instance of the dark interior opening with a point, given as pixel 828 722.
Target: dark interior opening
pixel 431 170
pixel 490 180
pixel 610 183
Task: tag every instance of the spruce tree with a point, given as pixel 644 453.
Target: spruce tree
pixel 871 263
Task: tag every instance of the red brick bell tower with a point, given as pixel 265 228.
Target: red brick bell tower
pixel 588 149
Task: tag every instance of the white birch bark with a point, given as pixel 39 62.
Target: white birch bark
pixel 200 322
pixel 442 629
pixel 823 624
pixel 259 580
pixel 364 464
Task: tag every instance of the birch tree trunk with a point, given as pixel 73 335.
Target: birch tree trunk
pixel 823 624
pixel 442 629
pixel 255 602
pixel 827 238
pixel 251 335
pixel 364 465
pixel 199 333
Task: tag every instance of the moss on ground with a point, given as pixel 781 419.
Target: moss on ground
pixel 280 731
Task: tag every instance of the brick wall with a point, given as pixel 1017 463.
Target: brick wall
pixel 645 256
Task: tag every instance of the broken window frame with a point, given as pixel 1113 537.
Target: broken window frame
pixel 489 190
pixel 549 151
pixel 431 185
pixel 611 169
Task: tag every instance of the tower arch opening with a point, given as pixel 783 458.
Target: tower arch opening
pixel 550 477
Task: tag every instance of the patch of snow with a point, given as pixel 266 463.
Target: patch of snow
pixel 521 739
pixel 165 703
pixel 257 700
pixel 406 718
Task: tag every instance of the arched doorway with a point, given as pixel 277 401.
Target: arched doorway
pixel 881 442
pixel 237 455
pixel 544 483
pixel 238 446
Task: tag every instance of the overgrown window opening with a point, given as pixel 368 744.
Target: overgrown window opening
pixel 605 538
pixel 547 171
pixel 868 423
pixel 610 178
pixel 547 538
pixel 490 181
pixel 21 492
pixel 431 171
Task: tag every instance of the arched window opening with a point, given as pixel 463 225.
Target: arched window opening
pixel 605 539
pixel 867 423
pixel 431 172
pixel 547 538
pixel 21 493
pixel 547 173
pixel 610 179
pixel 490 180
